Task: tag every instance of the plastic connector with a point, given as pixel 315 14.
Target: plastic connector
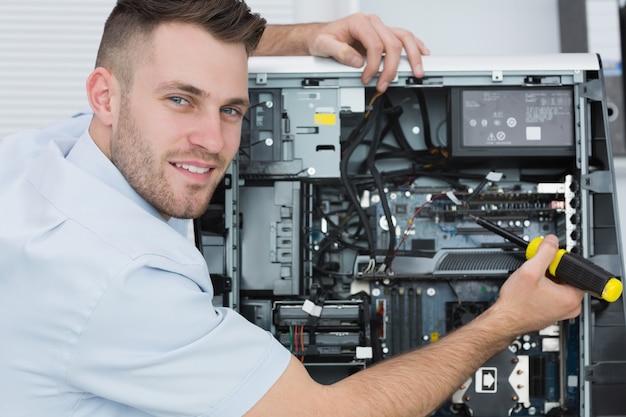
pixel 311 308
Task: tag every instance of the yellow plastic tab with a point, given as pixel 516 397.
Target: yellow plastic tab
pixel 612 290
pixel 556 261
pixel 533 245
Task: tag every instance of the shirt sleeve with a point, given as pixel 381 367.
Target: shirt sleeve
pixel 155 342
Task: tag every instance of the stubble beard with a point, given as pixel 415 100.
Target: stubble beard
pixel 135 158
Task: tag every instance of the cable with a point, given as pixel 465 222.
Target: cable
pixel 410 224
pixel 371 164
pixel 355 139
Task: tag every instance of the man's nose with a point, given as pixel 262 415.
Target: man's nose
pixel 207 132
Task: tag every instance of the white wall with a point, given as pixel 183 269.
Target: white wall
pixel 47 49
pixel 475 27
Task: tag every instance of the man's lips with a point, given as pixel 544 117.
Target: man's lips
pixel 193 168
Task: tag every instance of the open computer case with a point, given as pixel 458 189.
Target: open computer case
pixel 345 226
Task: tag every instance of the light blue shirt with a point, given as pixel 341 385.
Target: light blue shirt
pixel 105 309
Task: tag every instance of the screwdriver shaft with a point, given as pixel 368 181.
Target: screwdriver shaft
pixel 512 237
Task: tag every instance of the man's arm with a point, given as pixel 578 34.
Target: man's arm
pixel 349 40
pixel 415 383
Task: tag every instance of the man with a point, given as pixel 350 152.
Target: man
pixel 105 309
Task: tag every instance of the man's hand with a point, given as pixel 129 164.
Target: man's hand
pixel 349 39
pixel 354 40
pixel 531 301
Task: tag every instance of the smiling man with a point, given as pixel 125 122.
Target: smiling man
pixel 173 128
pixel 106 307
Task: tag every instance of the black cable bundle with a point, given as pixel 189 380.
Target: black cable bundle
pixel 355 139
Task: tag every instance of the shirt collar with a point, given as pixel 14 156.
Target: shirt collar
pixel 86 155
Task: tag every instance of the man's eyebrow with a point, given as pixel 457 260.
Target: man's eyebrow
pixel 188 88
pixel 239 101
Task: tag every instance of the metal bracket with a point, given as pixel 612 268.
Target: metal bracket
pixel 592 90
pixel 320 82
pixel 598 182
pixel 261 78
pixel 606 372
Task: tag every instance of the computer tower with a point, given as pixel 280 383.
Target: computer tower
pixel 348 218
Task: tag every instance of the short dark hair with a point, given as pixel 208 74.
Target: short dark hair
pixel 130 26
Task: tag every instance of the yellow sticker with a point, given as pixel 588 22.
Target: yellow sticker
pixel 325 119
pixel 434 336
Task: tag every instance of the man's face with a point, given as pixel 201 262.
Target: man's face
pixel 179 126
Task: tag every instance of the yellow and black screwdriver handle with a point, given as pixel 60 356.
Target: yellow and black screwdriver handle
pixel 581 273
pixel 566 267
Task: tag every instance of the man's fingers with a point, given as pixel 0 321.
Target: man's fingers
pixel 347 39
pixel 392 48
pixel 414 48
pixel 328 46
pixel 547 250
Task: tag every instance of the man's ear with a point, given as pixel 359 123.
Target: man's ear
pixel 101 90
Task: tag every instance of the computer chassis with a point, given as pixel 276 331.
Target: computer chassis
pixel 345 225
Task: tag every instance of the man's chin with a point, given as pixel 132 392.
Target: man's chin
pixel 191 211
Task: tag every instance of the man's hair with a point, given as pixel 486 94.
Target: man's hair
pixel 132 23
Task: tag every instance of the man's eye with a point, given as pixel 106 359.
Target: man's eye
pixel 231 111
pixel 179 101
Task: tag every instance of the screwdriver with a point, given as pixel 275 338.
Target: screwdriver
pixel 566 267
